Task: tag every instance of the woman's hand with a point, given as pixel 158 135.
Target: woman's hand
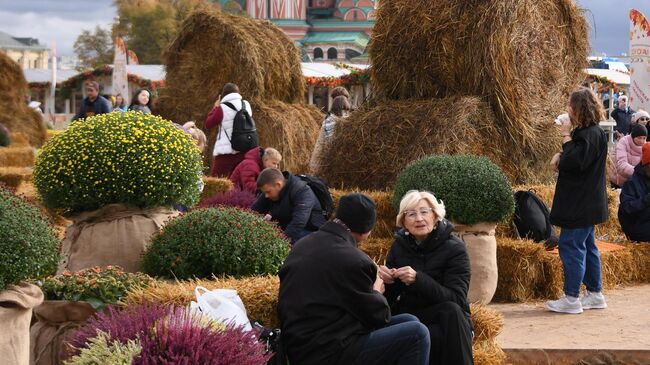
pixel 386 274
pixel 566 126
pixel 379 284
pixel 406 274
pixel 555 162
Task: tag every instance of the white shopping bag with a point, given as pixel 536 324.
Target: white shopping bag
pixel 222 305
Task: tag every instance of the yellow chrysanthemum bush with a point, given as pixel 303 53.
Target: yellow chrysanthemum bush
pixel 128 158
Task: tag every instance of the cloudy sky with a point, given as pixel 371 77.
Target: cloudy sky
pixel 63 20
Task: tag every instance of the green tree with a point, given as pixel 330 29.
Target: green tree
pixel 94 48
pixel 148 26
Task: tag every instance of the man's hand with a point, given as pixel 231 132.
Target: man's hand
pixel 406 274
pixel 386 274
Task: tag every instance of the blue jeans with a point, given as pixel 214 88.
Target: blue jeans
pixel 404 341
pixel 580 259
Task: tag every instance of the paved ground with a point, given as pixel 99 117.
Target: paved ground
pixel 625 325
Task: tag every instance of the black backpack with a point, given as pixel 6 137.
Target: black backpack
pixel 322 192
pixel 244 135
pixel 532 216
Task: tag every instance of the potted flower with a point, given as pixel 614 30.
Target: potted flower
pixel 28 249
pixel 162 334
pixel 116 176
pixel 477 196
pixel 70 299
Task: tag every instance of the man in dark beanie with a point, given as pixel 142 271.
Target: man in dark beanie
pixel 331 306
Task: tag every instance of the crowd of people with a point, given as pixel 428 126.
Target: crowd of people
pixel 337 306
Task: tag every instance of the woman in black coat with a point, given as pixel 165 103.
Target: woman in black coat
pixel 427 274
pixel 580 202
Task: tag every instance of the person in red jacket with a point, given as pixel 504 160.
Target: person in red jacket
pixel 244 177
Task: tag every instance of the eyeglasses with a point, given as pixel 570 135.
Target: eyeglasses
pixel 643 119
pixel 413 214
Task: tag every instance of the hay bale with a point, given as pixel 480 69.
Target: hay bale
pixel 377 249
pixel 14 176
pixel 488 353
pixel 372 146
pixel 488 322
pixel 258 57
pixel 292 129
pixel 521 270
pixel 19 139
pixel 17 156
pixel 259 294
pixel 215 185
pixel 386 214
pixel 16 115
pixel 523 57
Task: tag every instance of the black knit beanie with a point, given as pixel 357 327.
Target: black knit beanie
pixel 358 212
pixel 639 130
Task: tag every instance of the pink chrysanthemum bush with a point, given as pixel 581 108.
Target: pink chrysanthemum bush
pixel 158 334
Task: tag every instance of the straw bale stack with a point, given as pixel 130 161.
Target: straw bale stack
pixel 488 353
pixel 17 156
pixel 372 146
pixel 16 115
pixel 377 249
pixel 14 176
pixel 214 48
pixel 214 185
pixel 259 294
pixel 523 57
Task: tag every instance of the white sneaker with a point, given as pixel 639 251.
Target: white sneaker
pixel 593 300
pixel 565 305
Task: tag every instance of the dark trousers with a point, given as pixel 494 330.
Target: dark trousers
pixel 450 333
pixel 403 341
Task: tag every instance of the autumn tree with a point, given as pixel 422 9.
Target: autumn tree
pixel 148 26
pixel 94 48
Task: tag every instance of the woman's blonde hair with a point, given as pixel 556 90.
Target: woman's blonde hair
pixel 412 198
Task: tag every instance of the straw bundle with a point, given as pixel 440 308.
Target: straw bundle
pixel 259 294
pixel 520 269
pixel 261 60
pixel 16 115
pixel 17 156
pixel 215 185
pixel 13 176
pixel 371 147
pixel 19 139
pixel 377 249
pixel 488 322
pixel 292 129
pixel 386 214
pixel 523 57
pixel 488 353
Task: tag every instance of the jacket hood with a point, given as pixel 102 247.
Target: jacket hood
pixel 632 147
pixel 254 154
pixel 231 97
pixel 440 234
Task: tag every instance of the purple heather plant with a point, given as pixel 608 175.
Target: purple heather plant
pixel 173 335
pixel 234 198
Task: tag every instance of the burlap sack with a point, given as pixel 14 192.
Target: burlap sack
pixel 482 250
pixel 55 321
pixel 113 235
pixel 16 303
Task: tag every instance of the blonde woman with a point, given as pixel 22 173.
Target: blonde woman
pixel 427 274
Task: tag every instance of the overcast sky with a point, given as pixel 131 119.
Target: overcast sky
pixel 63 20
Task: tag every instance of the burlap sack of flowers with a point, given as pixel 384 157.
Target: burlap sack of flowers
pixel 72 298
pixel 115 175
pixel 55 321
pixel 16 304
pixel 113 235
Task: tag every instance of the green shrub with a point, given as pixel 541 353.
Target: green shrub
pixel 131 158
pixel 28 245
pixel 473 188
pixel 216 241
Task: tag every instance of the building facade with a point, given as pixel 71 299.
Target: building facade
pixel 325 30
pixel 27 52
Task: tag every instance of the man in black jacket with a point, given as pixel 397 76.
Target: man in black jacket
pixel 623 117
pixel 93 104
pixel 289 201
pixel 330 305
